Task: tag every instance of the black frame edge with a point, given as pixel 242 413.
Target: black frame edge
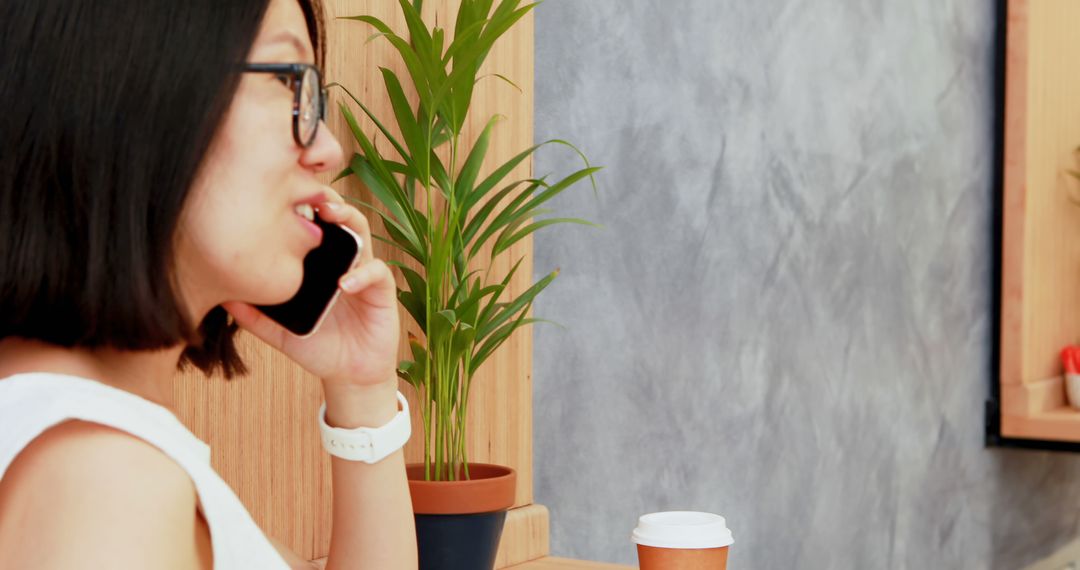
pixel 992 409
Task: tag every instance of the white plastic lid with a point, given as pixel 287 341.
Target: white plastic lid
pixel 682 529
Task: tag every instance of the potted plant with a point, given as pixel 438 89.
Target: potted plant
pixel 452 223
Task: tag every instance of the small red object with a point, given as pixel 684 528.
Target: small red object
pixel 1070 358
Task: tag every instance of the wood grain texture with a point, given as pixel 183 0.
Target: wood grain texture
pixel 1015 185
pixel 552 563
pixel 1041 218
pixel 1060 424
pixel 1033 397
pixel 1052 235
pixel 262 427
pixel 525 536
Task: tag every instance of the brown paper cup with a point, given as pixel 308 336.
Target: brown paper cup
pixel 656 558
pixel 682 540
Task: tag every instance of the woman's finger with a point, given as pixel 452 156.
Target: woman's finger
pixel 332 195
pixel 348 216
pixel 375 280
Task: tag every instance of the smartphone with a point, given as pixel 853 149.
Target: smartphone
pixel 323 266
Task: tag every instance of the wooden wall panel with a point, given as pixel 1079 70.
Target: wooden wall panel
pixel 262 427
pixel 1052 236
pixel 1041 218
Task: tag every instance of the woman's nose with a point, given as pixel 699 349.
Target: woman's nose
pixel 324 152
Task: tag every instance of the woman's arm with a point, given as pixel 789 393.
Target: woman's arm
pixel 85 495
pixel 294 560
pixel 355 354
pixel 373 525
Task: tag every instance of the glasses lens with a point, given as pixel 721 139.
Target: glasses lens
pixel 310 113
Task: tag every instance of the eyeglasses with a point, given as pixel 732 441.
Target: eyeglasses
pixel 309 101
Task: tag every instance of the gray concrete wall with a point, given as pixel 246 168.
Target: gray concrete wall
pixel 787 319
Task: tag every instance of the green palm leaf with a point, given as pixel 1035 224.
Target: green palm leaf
pixel 505 241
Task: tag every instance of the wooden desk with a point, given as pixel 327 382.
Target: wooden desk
pixel 552 563
pixel 546 563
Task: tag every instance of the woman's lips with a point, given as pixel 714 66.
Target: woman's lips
pixel 313 230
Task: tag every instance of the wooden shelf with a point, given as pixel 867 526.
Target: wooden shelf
pixel 552 563
pixel 1058 424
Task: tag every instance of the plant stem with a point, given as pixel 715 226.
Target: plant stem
pixel 463 419
pixel 440 442
pixel 452 367
pixel 447 411
pixel 427 342
pixel 465 406
pixel 425 418
pixel 459 431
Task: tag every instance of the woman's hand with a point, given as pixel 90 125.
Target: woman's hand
pixel 356 346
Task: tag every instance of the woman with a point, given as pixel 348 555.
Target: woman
pixel 152 189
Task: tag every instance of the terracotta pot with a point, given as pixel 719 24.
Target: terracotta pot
pixel 491 488
pixel 459 523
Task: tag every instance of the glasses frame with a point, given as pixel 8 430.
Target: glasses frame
pixel 297 71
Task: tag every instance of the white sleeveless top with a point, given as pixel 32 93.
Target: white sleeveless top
pixel 32 402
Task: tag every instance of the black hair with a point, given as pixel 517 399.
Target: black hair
pixel 107 110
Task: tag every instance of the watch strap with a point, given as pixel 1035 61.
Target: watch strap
pixel 366 444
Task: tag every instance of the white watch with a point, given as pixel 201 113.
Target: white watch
pixel 369 445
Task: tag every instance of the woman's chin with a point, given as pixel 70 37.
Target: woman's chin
pixel 283 290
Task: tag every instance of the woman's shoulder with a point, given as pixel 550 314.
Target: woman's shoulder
pixel 31 403
pixel 90 495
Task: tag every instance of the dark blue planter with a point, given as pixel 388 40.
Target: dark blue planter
pixel 459 523
pixel 459 542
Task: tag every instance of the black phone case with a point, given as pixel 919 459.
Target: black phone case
pixel 323 266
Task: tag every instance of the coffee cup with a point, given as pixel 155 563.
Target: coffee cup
pixel 682 540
